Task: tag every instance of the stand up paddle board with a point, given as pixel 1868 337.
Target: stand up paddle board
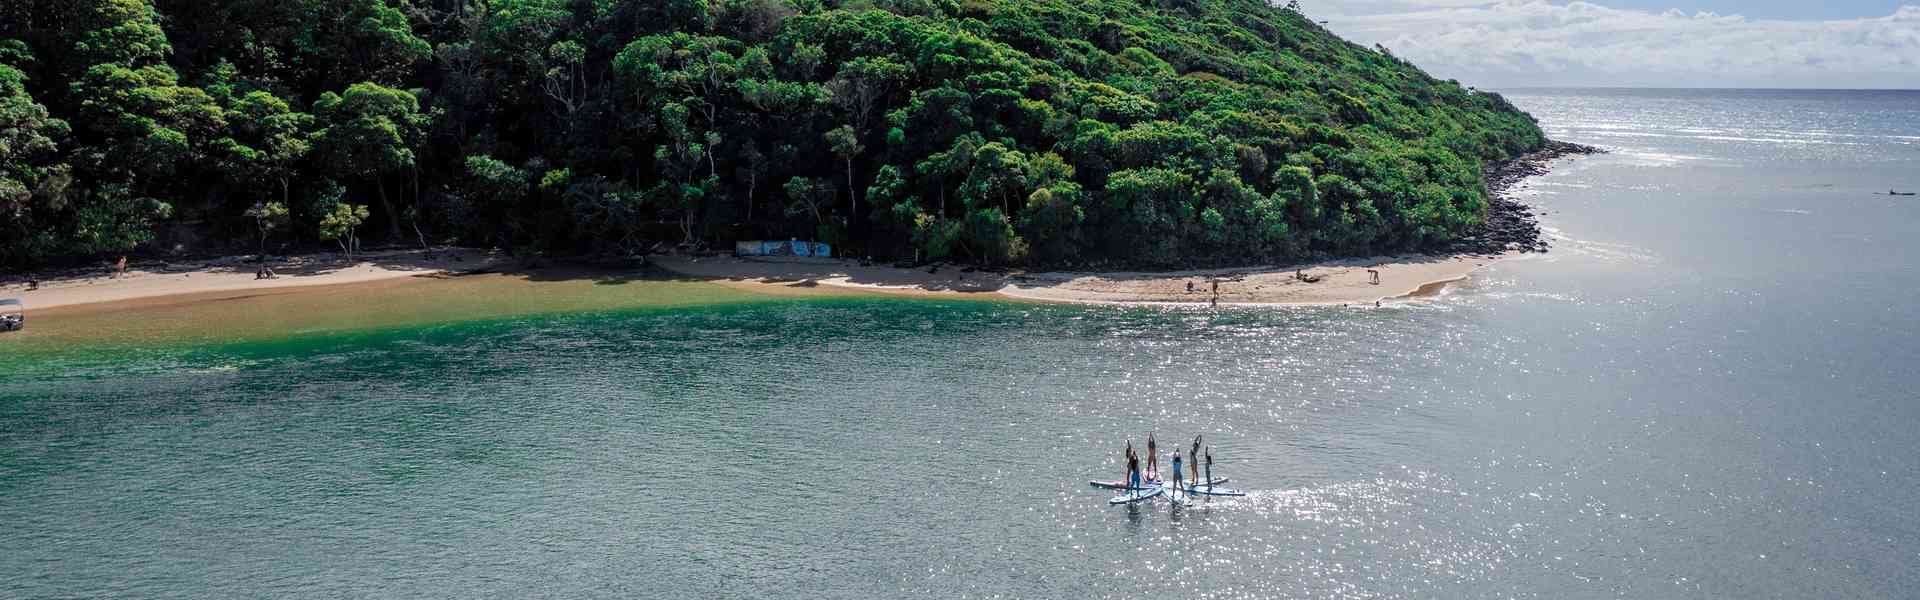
pixel 1178 498
pixel 1137 495
pixel 1208 490
pixel 1122 485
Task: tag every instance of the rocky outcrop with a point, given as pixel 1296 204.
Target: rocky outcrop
pixel 1512 226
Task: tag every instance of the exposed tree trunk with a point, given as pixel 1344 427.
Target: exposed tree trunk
pixel 393 217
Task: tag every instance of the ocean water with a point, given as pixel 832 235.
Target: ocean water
pixel 1707 390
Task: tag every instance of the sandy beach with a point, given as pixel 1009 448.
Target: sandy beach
pixel 153 279
pixel 1327 283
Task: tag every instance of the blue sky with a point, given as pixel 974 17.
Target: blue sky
pixel 1643 43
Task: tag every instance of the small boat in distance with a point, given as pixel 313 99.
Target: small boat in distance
pixel 13 315
pixel 1895 193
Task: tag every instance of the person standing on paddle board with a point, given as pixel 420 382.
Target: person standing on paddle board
pixel 1176 468
pixel 1209 466
pixel 1153 459
pixel 1133 467
pixel 1196 460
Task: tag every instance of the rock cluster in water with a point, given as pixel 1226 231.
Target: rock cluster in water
pixel 1510 225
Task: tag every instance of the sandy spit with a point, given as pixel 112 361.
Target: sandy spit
pixel 1326 283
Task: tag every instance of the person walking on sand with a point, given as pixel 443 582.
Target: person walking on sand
pixel 120 268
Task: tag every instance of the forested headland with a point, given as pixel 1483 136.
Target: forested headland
pixel 1045 132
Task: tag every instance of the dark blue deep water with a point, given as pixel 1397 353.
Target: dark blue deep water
pixel 1707 390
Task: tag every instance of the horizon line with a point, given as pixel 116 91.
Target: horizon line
pixel 1697 88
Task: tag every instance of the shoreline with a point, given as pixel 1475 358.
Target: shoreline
pixel 1511 229
pixel 1327 283
pixel 153 281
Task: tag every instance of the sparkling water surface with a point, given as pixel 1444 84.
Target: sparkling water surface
pixel 1706 390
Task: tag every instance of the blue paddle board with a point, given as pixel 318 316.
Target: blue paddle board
pixel 1137 495
pixel 1208 490
pixel 1122 485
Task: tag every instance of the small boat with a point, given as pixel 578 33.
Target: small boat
pixel 1122 485
pixel 1138 495
pixel 13 315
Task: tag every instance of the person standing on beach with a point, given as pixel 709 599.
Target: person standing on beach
pixel 120 268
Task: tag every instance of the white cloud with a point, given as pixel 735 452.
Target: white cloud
pixel 1535 42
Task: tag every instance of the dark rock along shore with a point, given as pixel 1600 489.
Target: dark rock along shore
pixel 1510 225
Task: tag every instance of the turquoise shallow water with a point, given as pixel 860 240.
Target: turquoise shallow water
pixel 1706 390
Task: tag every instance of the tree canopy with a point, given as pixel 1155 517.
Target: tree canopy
pixel 1046 132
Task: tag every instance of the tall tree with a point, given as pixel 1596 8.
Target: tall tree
pixel 367 133
pixel 846 144
pixel 32 177
pixel 267 141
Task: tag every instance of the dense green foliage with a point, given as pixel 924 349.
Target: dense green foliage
pixel 1047 131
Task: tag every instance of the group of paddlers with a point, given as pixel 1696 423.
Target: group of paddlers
pixel 1152 474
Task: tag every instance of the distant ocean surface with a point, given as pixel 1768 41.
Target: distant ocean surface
pixel 1708 389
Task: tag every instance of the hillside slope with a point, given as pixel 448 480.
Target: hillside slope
pixel 1038 131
